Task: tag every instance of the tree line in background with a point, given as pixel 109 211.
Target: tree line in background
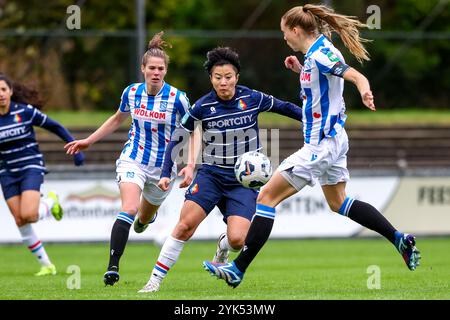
pixel 80 72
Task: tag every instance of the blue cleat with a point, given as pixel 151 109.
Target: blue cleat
pixel 406 245
pixel 226 271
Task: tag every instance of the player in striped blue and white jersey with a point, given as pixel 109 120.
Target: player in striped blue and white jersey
pixel 22 167
pixel 156 109
pixel 229 120
pixel 324 154
pixel 154 120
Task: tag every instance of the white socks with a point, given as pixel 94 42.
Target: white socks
pixel 35 246
pixel 167 258
pixel 44 207
pixel 225 245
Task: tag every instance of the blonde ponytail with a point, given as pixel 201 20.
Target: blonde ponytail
pixel 322 19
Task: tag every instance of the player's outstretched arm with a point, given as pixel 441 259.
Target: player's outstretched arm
pixel 272 104
pixel 108 127
pixel 64 134
pixel 363 86
pixel 287 109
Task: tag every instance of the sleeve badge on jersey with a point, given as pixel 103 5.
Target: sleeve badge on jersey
pixel 332 57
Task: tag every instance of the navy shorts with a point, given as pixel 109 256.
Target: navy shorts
pixel 219 187
pixel 14 184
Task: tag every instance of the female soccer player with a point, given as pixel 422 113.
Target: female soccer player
pixel 22 166
pixel 229 119
pixel 324 154
pixel 156 109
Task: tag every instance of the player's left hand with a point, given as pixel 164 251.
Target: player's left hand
pixel 164 183
pixel 188 173
pixel 367 98
pixel 293 64
pixel 78 159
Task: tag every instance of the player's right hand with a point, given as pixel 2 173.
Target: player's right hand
pixel 292 63
pixel 188 173
pixel 76 146
pixel 367 98
pixel 164 183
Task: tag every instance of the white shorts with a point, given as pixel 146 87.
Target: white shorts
pixel 326 162
pixel 145 177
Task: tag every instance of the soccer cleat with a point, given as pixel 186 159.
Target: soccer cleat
pixel 221 256
pixel 406 245
pixel 151 286
pixel 111 276
pixel 225 271
pixel 56 210
pixel 46 271
pixel 139 227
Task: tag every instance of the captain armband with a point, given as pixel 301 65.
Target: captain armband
pixel 339 69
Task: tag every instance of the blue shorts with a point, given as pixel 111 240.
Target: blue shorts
pixel 219 187
pixel 13 184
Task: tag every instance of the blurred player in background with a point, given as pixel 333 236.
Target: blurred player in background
pixel 229 120
pixel 22 167
pixel 156 109
pixel 307 29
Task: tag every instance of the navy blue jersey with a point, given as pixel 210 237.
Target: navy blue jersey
pixel 19 149
pixel 230 128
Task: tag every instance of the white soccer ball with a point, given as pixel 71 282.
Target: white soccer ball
pixel 253 169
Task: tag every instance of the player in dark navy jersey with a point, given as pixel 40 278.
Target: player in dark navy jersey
pixel 228 117
pixel 22 166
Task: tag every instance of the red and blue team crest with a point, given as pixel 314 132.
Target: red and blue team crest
pixel 17 118
pixel 194 189
pixel 242 105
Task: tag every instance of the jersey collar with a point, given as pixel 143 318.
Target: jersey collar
pixel 315 46
pixel 159 92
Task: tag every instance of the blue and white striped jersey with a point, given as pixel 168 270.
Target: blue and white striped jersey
pixel 19 149
pixel 322 87
pixel 154 118
pixel 230 128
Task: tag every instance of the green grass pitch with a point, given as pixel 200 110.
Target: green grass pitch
pixel 284 269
